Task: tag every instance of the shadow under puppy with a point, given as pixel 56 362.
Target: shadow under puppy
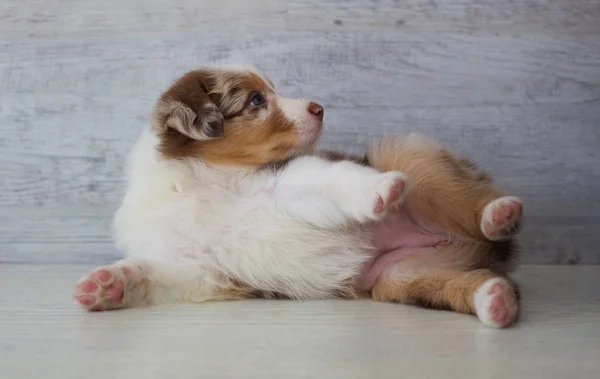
pixel 225 200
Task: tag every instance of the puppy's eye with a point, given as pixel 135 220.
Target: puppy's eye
pixel 257 99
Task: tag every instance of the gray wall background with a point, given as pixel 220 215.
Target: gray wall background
pixel 514 84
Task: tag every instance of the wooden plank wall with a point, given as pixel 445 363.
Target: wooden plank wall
pixel 515 84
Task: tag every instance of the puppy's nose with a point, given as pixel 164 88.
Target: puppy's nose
pixel 316 109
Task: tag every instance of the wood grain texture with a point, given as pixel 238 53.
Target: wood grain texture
pixel 443 15
pixel 513 84
pixel 557 336
pixel 75 16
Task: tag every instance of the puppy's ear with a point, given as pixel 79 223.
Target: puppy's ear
pixel 203 123
pixel 187 108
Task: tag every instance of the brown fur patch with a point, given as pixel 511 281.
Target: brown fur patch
pixel 448 192
pixel 249 141
pixel 438 289
pixel 244 137
pixel 233 289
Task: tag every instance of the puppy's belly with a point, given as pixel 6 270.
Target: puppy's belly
pixel 398 236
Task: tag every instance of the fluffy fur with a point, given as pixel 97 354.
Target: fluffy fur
pixel 226 200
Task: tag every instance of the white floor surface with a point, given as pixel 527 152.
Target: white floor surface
pixel 43 334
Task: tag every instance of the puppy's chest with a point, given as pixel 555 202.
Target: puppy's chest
pixel 207 221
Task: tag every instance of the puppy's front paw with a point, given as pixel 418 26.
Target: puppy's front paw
pixel 110 287
pixel 386 191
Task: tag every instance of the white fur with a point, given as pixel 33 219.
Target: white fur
pixel 308 126
pixel 188 228
pixel 297 231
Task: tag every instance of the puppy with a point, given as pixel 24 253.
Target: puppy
pixel 226 200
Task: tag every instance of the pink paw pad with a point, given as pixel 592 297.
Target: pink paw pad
pixel 496 303
pixel 103 289
pixel 104 276
pixel 88 286
pixel 501 218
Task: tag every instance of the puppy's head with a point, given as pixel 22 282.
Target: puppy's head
pixel 233 116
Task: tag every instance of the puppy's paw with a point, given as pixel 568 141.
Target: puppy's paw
pixel 110 287
pixel 501 218
pixel 386 192
pixel 496 303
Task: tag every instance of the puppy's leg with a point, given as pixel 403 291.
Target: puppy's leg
pixel 330 194
pixel 447 191
pixel 135 282
pixel 480 292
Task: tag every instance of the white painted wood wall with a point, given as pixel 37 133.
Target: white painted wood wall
pixel 515 84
